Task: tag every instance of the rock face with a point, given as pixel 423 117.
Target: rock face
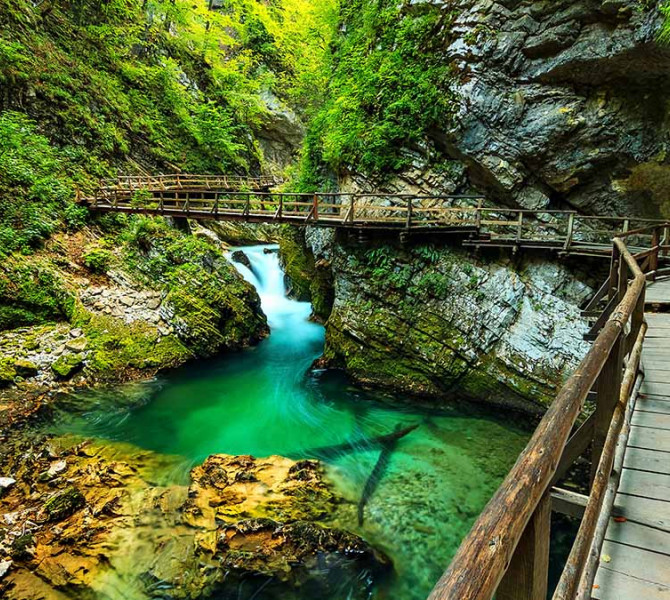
pixel 92 519
pixel 435 322
pixel 559 103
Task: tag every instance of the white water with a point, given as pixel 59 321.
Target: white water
pixel 267 277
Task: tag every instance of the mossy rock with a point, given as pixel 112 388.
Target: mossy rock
pixel 67 365
pixel 7 373
pixel 25 368
pixel 22 547
pixel 64 504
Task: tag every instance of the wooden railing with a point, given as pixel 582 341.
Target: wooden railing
pixel 178 181
pixel 506 552
pixel 231 198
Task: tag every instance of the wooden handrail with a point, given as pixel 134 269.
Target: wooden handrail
pixel 490 549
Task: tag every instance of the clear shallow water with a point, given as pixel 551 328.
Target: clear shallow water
pixel 263 401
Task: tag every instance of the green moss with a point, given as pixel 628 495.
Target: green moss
pixel 63 504
pixel 297 262
pixel 97 259
pixel 307 280
pixel 32 292
pixel 25 368
pixel 67 365
pixel 116 347
pixel 7 372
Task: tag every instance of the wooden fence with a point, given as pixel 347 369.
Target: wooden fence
pixel 209 197
pixel 507 551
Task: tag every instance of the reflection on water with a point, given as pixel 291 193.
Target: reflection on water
pixel 262 401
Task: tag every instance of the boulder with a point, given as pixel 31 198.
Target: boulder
pixel 67 365
pixel 77 345
pixel 25 368
pixel 239 256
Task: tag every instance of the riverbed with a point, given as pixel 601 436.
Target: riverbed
pixel 268 401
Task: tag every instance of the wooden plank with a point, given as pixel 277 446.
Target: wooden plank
pixel 568 503
pixel 654 420
pixel 636 562
pixel 654 513
pixel 652 405
pixel 642 459
pixel 651 439
pixel 659 389
pixel 645 485
pixel 639 536
pixel 612 585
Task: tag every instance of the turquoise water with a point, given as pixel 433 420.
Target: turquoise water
pixel 265 401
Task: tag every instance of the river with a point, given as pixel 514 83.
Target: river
pixel 266 401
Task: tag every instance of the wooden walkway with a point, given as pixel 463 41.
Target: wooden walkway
pixel 468 219
pixel 635 557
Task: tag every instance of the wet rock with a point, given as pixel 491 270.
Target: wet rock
pixel 63 504
pixel 5 565
pixel 6 482
pixel 450 326
pixel 240 257
pixel 75 333
pixel 306 555
pixel 25 368
pixel 67 365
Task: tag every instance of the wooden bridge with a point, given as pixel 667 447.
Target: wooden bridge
pixel 614 409
pixel 465 217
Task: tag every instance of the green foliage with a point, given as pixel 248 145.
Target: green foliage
pixel 32 292
pixel 33 194
pixel 97 259
pixel 389 87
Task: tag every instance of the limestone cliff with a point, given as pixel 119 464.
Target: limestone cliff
pixel 550 105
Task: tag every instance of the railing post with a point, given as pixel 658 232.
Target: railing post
pixel 666 239
pixel 519 228
pixel 527 576
pixel 352 208
pixel 608 384
pixel 409 212
pixel 571 229
pixel 478 215
pixel 653 259
pixel 315 209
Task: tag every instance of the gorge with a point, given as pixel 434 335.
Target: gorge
pixel 206 409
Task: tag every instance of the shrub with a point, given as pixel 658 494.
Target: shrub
pixel 97 260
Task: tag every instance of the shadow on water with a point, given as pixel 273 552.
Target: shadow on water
pixel 420 492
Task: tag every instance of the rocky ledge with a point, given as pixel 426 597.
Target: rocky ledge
pixel 88 519
pixel 436 322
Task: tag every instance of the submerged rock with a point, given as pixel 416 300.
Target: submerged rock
pixel 241 521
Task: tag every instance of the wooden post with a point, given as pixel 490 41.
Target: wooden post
pixel 315 208
pixel 571 228
pixel 608 384
pixel 626 225
pixel 519 228
pixel 653 259
pixel 526 577
pixel 666 239
pixel 409 212
pixel 352 208
pixel 478 215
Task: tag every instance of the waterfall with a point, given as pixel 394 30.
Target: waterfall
pixel 267 277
